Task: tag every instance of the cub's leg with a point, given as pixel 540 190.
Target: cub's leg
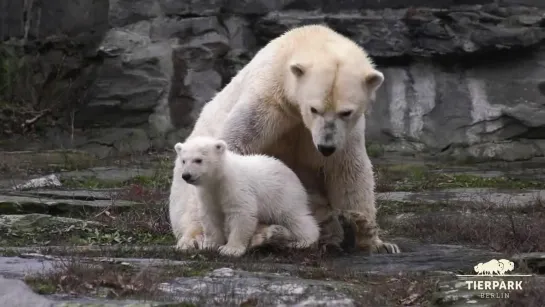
pixel 331 231
pixel 242 226
pixel 212 220
pixel 305 231
pixel 214 236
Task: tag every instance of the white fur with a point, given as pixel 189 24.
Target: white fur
pixel 266 109
pixel 183 216
pixel 236 192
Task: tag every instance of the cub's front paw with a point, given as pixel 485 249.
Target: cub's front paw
pixel 232 251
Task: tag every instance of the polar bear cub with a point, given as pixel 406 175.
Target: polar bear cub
pixel 237 192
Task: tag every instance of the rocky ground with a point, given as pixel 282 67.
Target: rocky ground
pixel 81 232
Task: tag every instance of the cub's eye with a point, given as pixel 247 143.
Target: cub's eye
pixel 183 161
pixel 313 110
pixel 345 113
pixel 198 161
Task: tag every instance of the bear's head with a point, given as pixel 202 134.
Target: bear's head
pixel 200 159
pixel 332 95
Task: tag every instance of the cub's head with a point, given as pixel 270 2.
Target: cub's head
pixel 332 95
pixel 200 159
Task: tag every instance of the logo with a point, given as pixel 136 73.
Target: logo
pixel 498 267
pixel 490 277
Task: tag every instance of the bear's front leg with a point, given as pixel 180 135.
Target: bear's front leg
pixel 242 227
pixel 350 187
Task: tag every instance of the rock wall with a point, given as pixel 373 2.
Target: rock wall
pixel 463 77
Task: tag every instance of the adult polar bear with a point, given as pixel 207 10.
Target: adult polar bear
pixel 301 99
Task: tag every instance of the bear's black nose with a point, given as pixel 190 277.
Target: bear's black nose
pixel 186 176
pixel 326 150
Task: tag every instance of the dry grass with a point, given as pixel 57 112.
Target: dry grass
pixel 403 291
pixel 111 279
pixel 145 223
pixel 518 230
pixel 79 277
pixel 76 277
pixel 150 216
pixel 532 295
pixel 420 178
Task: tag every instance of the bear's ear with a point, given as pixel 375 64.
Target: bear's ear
pixel 297 69
pixel 178 148
pixel 373 81
pixel 220 146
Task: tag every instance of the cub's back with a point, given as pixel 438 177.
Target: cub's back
pixel 278 192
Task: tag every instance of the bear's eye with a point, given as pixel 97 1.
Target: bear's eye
pixel 198 161
pixel 345 113
pixel 313 110
pixel 183 161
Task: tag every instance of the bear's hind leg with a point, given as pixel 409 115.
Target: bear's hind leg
pixel 332 234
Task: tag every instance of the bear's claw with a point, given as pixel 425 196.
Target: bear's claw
pixel 386 248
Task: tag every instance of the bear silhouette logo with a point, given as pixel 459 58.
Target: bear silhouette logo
pixel 494 267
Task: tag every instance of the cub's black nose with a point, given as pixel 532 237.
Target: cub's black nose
pixel 186 176
pixel 326 150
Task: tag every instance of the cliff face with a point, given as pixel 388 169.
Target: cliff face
pixel 463 78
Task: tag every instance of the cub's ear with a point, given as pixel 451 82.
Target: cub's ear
pixel 178 148
pixel 220 146
pixel 297 69
pixel 373 81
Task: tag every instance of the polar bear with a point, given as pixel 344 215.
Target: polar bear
pixel 301 99
pixel 236 191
